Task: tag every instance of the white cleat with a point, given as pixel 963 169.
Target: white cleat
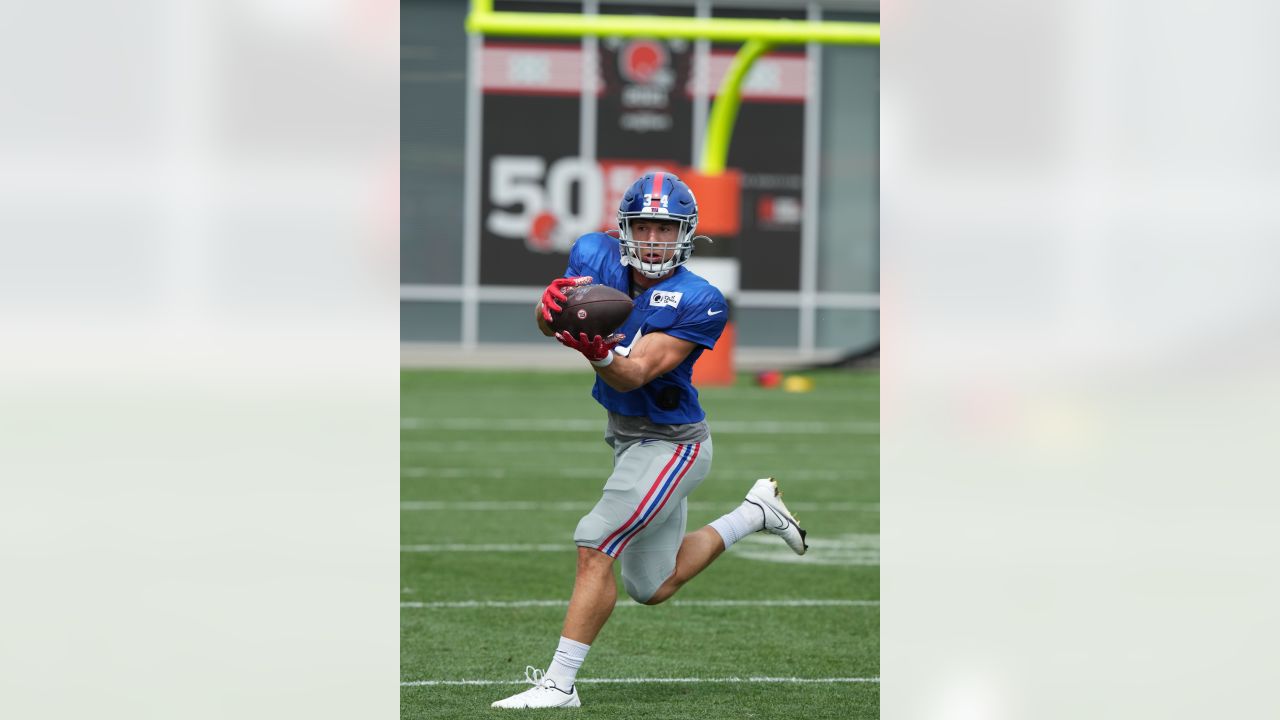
pixel 778 520
pixel 543 694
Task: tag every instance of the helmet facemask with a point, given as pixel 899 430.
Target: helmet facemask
pixel 674 253
pixel 662 197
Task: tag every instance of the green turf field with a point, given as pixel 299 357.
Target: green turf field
pixel 496 469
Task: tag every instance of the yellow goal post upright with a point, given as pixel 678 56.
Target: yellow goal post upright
pixel 757 35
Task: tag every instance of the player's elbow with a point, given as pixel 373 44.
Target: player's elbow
pixel 623 384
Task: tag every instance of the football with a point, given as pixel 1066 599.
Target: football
pixel 592 309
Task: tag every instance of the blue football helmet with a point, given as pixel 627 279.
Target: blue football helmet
pixel 658 196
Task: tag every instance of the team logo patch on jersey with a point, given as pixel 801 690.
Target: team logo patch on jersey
pixel 665 299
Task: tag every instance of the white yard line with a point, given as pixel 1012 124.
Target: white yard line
pixel 847 550
pixel 539 425
pixel 463 604
pixel 745 447
pixel 641 681
pixel 453 473
pixel 502 446
pixel 436 472
pixel 492 505
pixel 493 547
pixel 867 449
pixel 570 506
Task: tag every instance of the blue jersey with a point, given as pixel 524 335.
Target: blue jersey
pixel 684 305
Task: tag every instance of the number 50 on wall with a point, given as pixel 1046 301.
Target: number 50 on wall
pixel 550 207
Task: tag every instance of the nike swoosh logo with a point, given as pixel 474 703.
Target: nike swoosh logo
pixel 769 512
pixel 717 312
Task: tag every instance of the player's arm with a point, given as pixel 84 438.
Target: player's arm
pixel 653 355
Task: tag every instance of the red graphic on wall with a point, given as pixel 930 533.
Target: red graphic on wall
pixel 642 62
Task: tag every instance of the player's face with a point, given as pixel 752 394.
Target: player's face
pixel 656 239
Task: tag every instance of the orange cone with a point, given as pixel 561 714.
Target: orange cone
pixel 719 201
pixel 715 367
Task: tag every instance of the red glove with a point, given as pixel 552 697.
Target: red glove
pixel 598 350
pixel 552 294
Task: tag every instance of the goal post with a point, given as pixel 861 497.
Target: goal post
pixel 712 180
pixel 485 20
pixel 758 35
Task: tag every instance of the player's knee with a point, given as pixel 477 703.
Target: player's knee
pixel 591 560
pixel 656 599
pixel 647 588
pixel 641 592
pixel 591 529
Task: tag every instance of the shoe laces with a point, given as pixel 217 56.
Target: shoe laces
pixel 534 676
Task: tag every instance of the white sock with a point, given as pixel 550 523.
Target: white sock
pixel 741 522
pixel 564 666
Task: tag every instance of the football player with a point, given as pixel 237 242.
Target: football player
pixel 658 431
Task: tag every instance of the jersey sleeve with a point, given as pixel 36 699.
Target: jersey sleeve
pixel 700 318
pixel 585 257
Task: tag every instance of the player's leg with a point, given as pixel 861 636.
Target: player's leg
pixel 696 552
pixel 663 558
pixel 762 510
pixel 645 477
pixel 653 555
pixel 649 536
pixel 594 594
pixel 650 560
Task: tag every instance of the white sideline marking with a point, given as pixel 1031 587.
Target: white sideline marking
pixel 452 473
pixel 467 446
pixel 412 605
pixel 538 425
pixel 637 681
pixel 710 393
pixel 448 473
pixel 490 447
pixel 490 505
pixel 848 549
pixel 497 547
pixel 493 505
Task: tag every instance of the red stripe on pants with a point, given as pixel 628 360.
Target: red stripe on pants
pixel 652 490
pixel 672 491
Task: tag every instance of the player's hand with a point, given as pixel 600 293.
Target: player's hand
pixel 593 349
pixel 553 295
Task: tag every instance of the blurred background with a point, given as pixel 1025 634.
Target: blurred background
pixel 199 387
pixel 510 151
pixel 199 344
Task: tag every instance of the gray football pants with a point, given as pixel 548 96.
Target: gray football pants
pixel 641 516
